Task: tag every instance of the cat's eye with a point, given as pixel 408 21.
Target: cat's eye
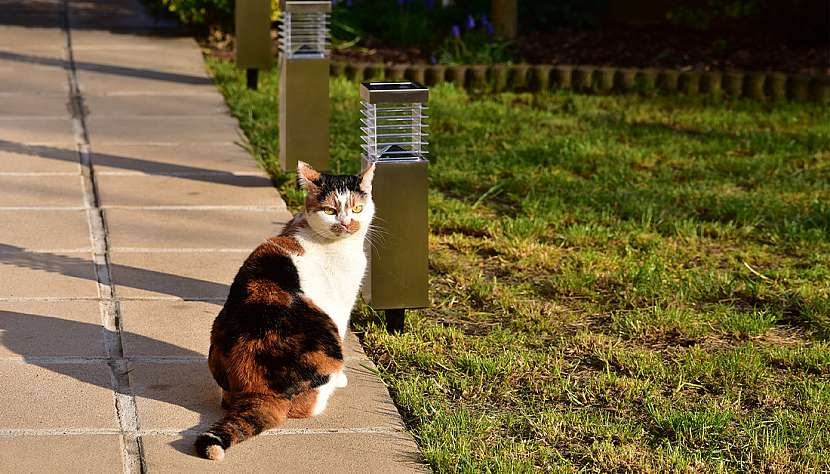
pixel 357 209
pixel 329 210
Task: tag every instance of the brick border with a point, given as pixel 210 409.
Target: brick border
pixel 757 85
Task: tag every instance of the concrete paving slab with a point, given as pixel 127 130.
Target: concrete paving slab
pixel 30 275
pixel 133 228
pixel 150 57
pixel 162 129
pixel 39 191
pixel 32 393
pixel 39 130
pixel 343 452
pixel 175 395
pixel 55 158
pixel 83 40
pixel 21 77
pixel 38 54
pixel 51 329
pixel 87 454
pixel 167 328
pixel 159 106
pixel 15 106
pixel 191 275
pixel 44 230
pixel 214 190
pixel 182 158
pixel 19 36
pixel 141 81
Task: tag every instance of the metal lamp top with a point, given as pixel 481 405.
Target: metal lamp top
pixel 311 6
pixel 407 92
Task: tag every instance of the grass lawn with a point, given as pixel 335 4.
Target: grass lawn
pixel 618 283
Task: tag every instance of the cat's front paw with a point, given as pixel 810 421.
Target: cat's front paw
pixel 340 380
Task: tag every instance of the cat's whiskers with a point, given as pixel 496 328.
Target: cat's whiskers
pixel 376 235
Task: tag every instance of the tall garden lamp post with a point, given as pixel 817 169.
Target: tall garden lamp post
pixel 304 84
pixel 394 140
pixel 253 37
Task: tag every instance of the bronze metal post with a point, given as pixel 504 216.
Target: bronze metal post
pixel 394 140
pixel 253 37
pixel 304 85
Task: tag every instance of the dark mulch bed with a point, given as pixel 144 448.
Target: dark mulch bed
pixel 645 46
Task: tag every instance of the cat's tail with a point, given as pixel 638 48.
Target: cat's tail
pixel 249 415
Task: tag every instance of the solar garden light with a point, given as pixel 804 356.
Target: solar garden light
pixel 304 84
pixel 393 136
pixel 253 37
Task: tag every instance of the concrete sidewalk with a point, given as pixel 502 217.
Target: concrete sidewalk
pixel 126 207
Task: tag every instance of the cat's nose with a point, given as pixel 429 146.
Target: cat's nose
pixel 345 222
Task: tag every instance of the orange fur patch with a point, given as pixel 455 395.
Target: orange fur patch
pixel 302 405
pixel 324 364
pixel 266 291
pixel 283 245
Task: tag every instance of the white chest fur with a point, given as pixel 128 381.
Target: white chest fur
pixel 330 275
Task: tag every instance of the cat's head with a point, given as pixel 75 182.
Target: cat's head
pixel 337 206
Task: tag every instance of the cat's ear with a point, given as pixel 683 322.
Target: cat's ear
pixel 366 177
pixel 307 176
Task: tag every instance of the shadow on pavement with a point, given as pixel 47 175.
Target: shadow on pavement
pixel 136 164
pixel 34 336
pixel 123 275
pixel 108 69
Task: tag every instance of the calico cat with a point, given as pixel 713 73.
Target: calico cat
pixel 276 346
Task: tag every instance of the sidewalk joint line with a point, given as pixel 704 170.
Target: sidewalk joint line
pixel 11 432
pixel 25 250
pixel 24 299
pixel 42 208
pixel 34 117
pixel 186 143
pixel 152 93
pixel 103 359
pixel 37 173
pixel 175 250
pixel 151 117
pixel 257 174
pixel 171 298
pixel 125 406
pixel 195 208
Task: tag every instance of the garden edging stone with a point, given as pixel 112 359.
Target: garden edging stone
pixel 757 85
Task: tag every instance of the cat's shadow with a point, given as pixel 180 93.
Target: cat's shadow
pixel 71 348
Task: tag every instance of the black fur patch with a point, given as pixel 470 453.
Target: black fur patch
pixel 329 183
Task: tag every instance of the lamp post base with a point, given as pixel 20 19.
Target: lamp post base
pixel 253 78
pixel 394 320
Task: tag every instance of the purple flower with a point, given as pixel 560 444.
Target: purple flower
pixel 471 22
pixel 334 3
pixel 348 3
pixel 433 59
pixel 401 2
pixel 490 30
pixel 429 4
pixel 456 31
